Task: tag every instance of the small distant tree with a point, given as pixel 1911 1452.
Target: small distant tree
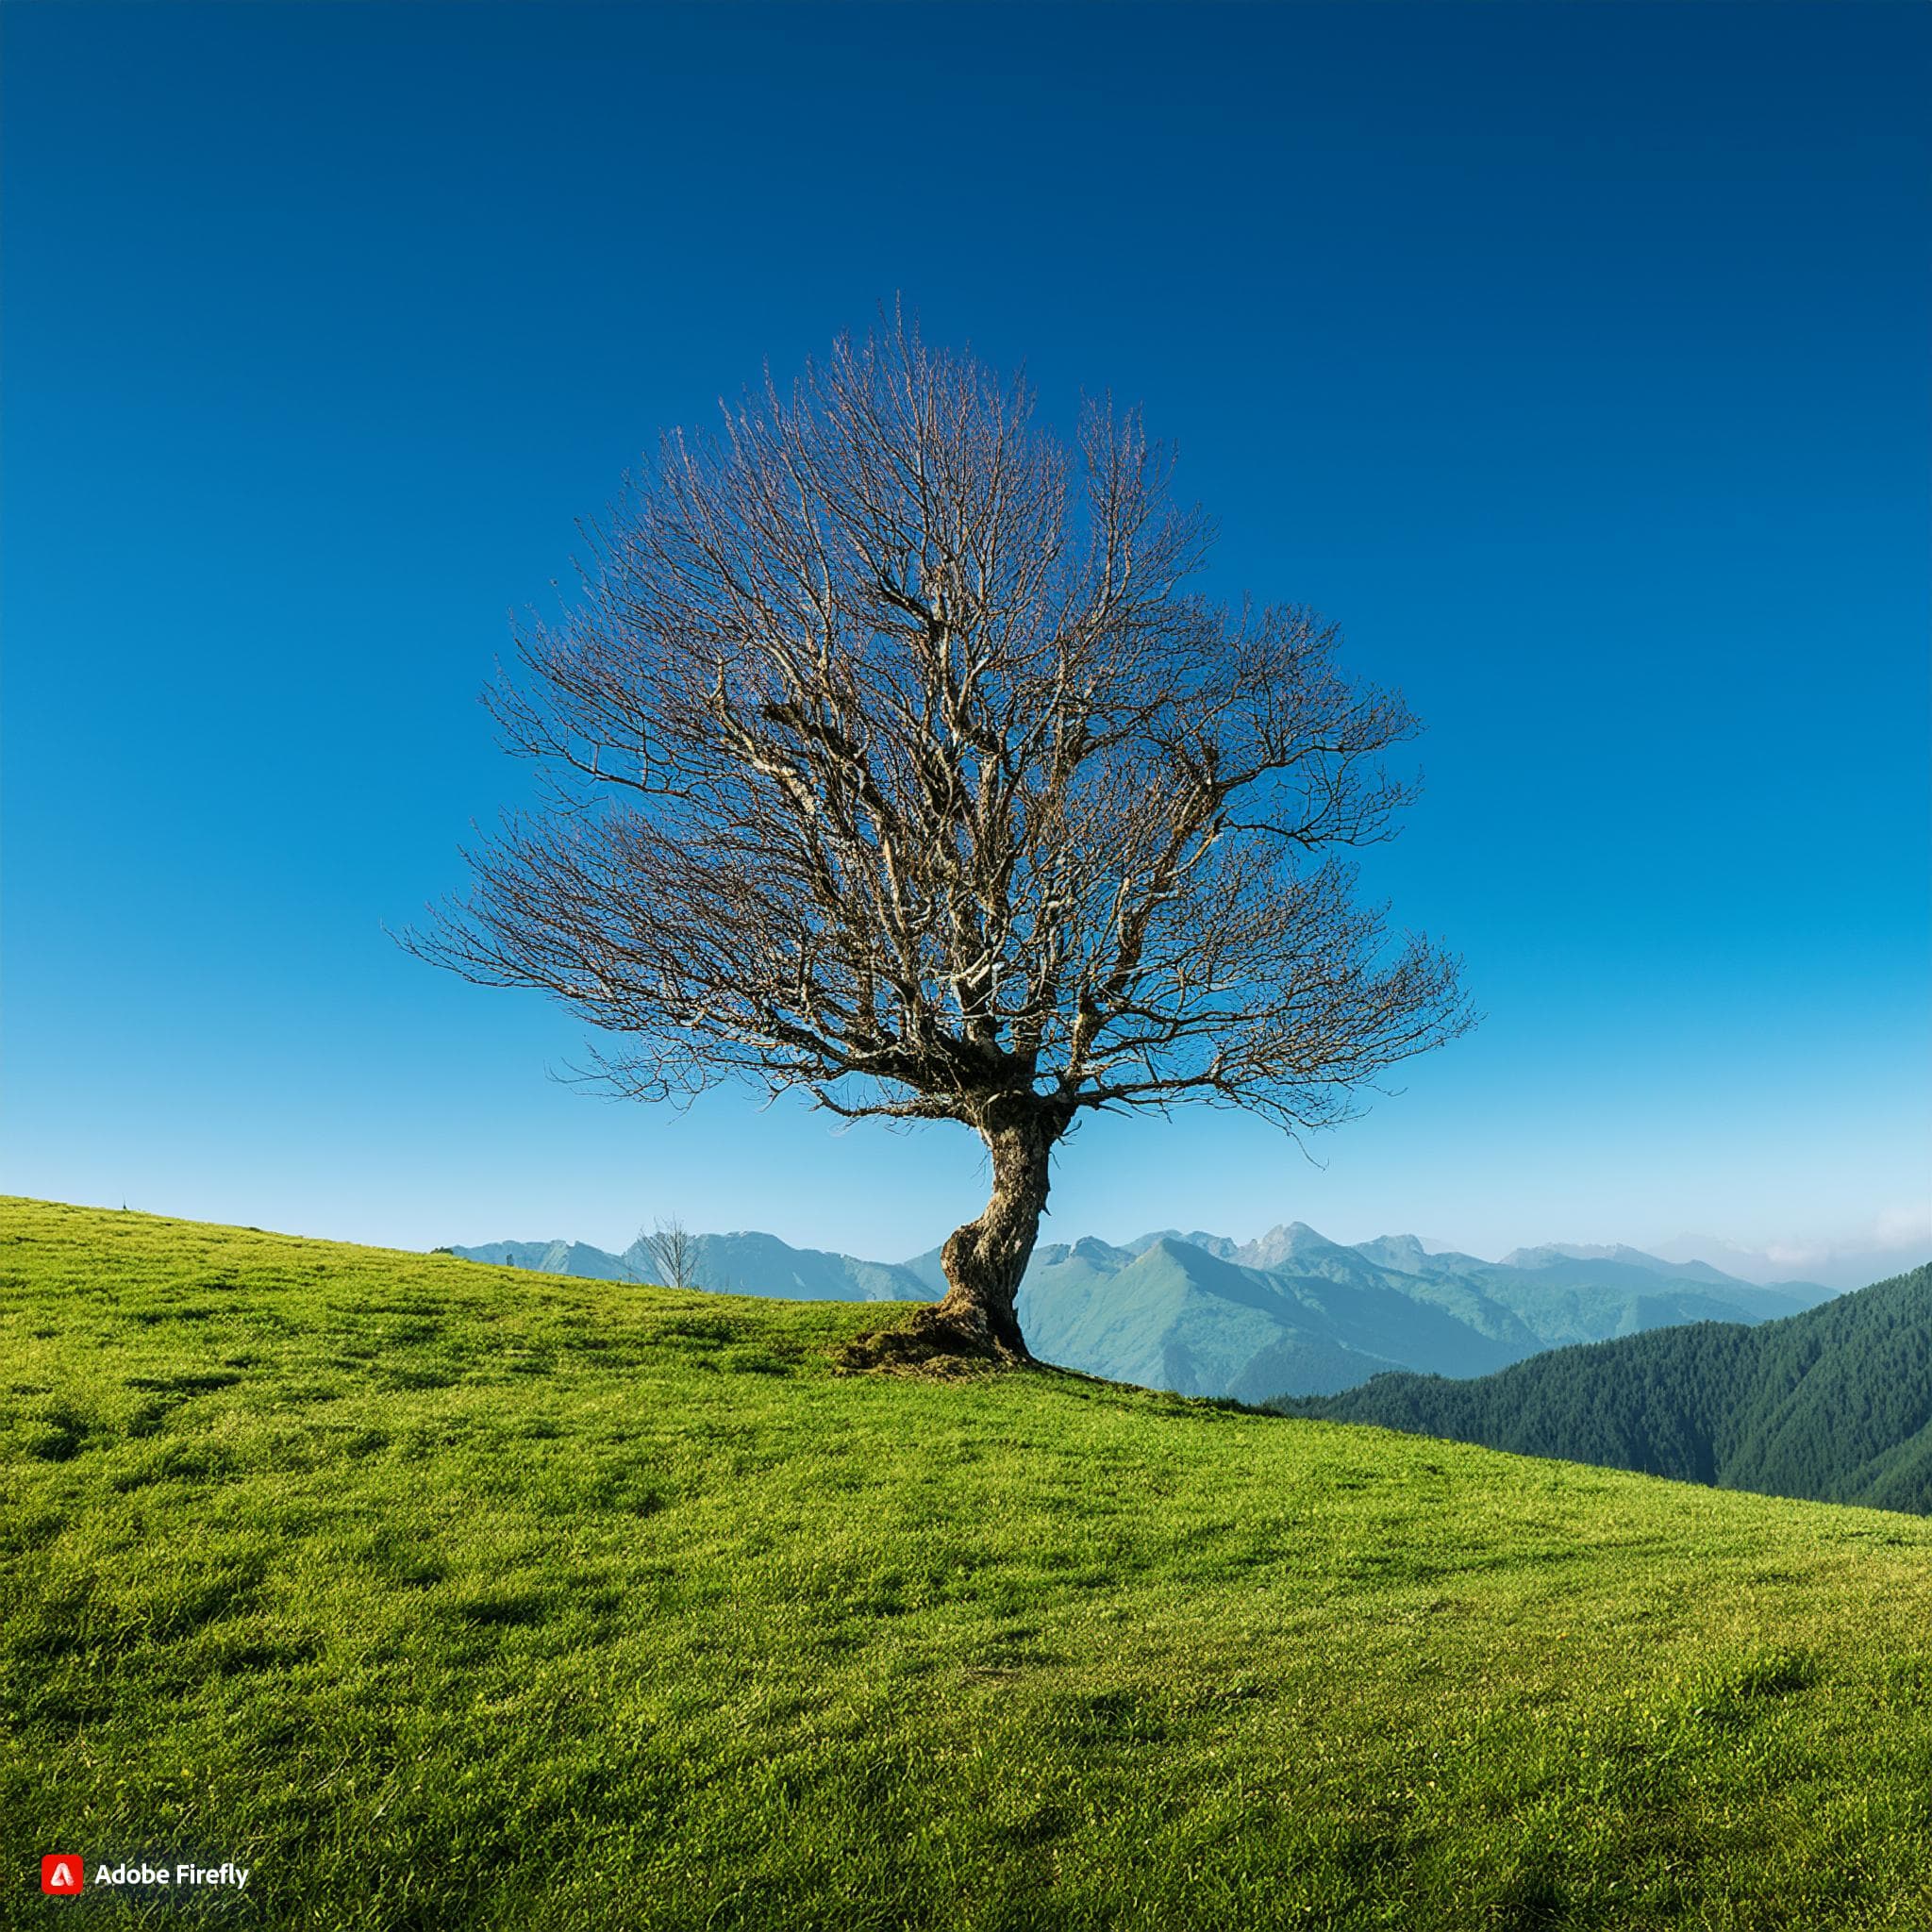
pixel 891 756
pixel 674 1251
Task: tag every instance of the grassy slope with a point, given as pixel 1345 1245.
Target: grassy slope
pixel 448 1595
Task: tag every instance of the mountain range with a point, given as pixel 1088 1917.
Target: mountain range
pixel 1290 1313
pixel 1834 1404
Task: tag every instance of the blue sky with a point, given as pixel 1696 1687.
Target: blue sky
pixel 1571 358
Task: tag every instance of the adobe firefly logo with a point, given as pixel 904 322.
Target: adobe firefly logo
pixel 61 1873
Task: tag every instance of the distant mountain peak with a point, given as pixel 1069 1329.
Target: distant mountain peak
pixel 1552 1253
pixel 1390 1245
pixel 1402 1252
pixel 1547 1252
pixel 1407 1254
pixel 1283 1243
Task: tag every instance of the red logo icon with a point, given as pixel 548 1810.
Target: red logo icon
pixel 62 1874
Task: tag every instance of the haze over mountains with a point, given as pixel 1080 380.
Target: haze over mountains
pixel 1290 1313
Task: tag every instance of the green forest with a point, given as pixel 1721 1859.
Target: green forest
pixel 1834 1405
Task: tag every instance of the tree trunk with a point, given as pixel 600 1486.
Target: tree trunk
pixel 978 1321
pixel 984 1259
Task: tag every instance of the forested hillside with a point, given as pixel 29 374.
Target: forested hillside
pixel 1834 1404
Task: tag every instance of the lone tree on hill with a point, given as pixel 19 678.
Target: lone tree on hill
pixel 674 1251
pixel 891 757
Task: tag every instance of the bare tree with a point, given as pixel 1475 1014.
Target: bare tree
pixel 889 756
pixel 674 1251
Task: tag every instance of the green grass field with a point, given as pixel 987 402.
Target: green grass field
pixel 443 1595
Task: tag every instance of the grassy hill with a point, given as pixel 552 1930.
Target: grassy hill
pixel 1834 1404
pixel 445 1596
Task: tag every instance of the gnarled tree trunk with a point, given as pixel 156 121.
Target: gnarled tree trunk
pixel 984 1259
pixel 978 1321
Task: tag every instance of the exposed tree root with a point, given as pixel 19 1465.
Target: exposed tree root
pixel 933 1346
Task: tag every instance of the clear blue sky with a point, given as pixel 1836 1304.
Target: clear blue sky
pixel 1571 358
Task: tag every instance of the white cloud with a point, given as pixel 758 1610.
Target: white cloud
pixel 1869 1250
pixel 1899 1227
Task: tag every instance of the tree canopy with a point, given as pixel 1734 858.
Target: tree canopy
pixel 890 754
